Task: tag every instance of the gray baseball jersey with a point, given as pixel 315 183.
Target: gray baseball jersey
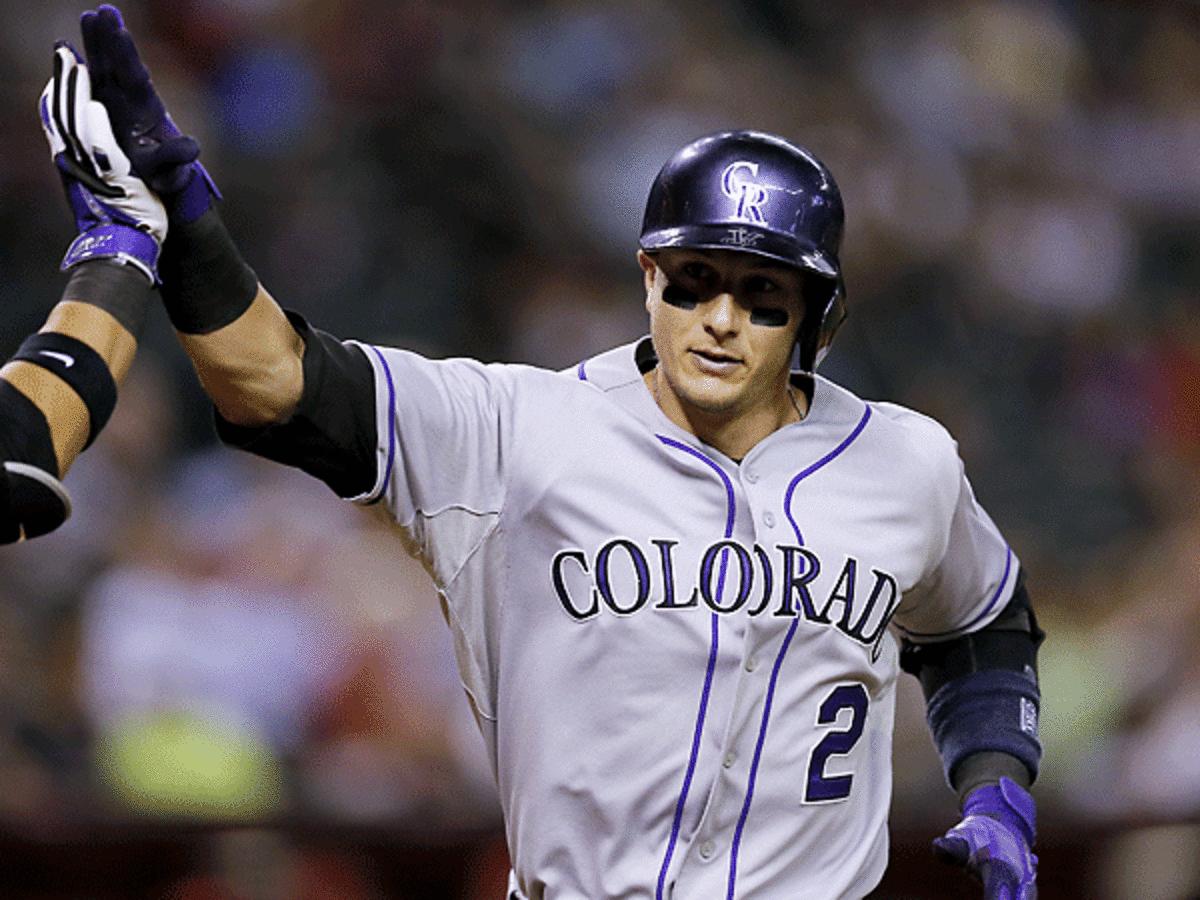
pixel 681 665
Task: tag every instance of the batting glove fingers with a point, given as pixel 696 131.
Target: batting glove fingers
pixel 163 156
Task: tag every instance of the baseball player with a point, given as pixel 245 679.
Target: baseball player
pixel 60 386
pixel 681 577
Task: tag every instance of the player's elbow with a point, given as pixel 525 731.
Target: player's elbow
pixel 264 396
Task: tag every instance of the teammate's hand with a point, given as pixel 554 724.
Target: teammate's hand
pixel 161 155
pixel 117 215
pixel 994 841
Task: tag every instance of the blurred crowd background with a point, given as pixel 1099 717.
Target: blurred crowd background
pixel 213 640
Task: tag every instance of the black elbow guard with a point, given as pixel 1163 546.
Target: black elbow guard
pixel 981 689
pixel 331 434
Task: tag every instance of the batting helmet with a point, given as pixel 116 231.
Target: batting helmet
pixel 757 193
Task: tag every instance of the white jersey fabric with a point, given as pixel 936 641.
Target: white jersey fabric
pixel 681 665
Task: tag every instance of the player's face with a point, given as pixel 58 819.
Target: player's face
pixel 723 324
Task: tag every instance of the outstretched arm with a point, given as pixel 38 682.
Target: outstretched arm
pixel 247 354
pixel 283 389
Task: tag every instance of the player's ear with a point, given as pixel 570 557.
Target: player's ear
pixel 649 267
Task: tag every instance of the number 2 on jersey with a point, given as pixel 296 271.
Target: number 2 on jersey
pixel 821 788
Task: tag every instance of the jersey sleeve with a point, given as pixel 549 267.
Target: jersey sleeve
pixel 441 450
pixel 974 576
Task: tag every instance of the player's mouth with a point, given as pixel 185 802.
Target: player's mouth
pixel 715 362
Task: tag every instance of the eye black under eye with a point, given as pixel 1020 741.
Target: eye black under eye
pixel 677 296
pixel 772 317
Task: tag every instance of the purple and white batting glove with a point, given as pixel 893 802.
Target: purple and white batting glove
pixel 160 153
pixel 117 216
pixel 994 841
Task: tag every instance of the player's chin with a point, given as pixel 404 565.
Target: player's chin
pixel 712 396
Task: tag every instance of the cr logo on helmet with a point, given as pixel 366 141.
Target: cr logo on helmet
pixel 750 195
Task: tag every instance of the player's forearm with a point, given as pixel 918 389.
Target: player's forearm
pixel 100 305
pixel 247 354
pixel 252 367
pixel 99 330
pixel 66 413
pixel 982 697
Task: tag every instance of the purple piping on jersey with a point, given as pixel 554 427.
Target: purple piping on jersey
pixel 391 457
pixel 581 372
pixel 979 618
pixel 787 641
pixel 730 509
pixel 758 748
pixel 730 503
pixel 823 461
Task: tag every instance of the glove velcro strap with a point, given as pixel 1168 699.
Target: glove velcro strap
pixel 195 199
pixel 989 710
pixel 122 243
pixel 79 366
pixel 32 502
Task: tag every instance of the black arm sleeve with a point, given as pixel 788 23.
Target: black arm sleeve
pixel 332 433
pixel 205 282
pixel 982 697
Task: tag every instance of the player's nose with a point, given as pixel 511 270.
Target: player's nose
pixel 720 314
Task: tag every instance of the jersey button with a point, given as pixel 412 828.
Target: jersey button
pixel 729 760
pixel 769 519
pixel 752 476
pixel 707 849
pixel 751 663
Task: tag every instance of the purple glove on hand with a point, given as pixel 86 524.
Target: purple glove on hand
pixel 164 157
pixel 994 841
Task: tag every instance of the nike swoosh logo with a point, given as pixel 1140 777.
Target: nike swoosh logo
pixel 67 361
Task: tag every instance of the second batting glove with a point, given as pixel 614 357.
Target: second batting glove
pixel 994 841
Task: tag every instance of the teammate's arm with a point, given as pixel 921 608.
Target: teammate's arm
pixel 60 387
pixel 79 334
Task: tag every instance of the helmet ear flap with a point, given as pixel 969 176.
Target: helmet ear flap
pixel 825 310
pixel 833 320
